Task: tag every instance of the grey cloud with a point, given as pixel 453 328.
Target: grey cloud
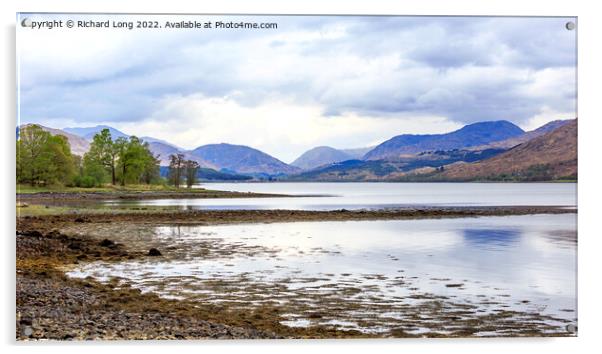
pixel 428 78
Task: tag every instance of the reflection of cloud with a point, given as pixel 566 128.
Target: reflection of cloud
pixel 349 236
pixel 458 70
pixel 492 237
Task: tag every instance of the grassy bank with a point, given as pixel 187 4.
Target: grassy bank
pixel 69 195
pixel 28 189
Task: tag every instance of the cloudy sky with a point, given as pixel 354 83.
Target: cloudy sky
pixel 340 81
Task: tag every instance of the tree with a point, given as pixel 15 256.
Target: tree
pixel 176 165
pixel 32 159
pixel 192 168
pixel 151 172
pixel 43 158
pixel 94 169
pixel 104 153
pixel 62 166
pixel 133 159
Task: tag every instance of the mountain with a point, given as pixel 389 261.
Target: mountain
pixel 150 139
pixel 208 174
pixel 242 159
pixel 357 153
pixel 89 132
pixel 383 170
pixel 163 150
pixel 512 142
pixel 319 156
pixel 550 156
pixel 471 135
pixel 79 146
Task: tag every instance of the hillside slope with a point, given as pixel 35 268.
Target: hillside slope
pixel 89 132
pixel 550 156
pixel 320 156
pixel 512 142
pixel 241 159
pixel 79 146
pixel 471 135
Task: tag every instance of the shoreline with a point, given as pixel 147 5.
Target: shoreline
pixel 216 217
pixel 51 305
pixel 140 195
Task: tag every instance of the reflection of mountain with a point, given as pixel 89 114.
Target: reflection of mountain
pixel 491 237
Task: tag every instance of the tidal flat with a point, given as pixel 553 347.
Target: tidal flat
pixel 308 274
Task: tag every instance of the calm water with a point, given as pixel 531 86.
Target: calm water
pixel 376 268
pixel 379 195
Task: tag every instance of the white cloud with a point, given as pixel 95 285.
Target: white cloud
pixel 280 127
pixel 338 81
pixel 546 115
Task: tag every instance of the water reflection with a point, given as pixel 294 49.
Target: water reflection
pixel 376 195
pixel 491 237
pixel 523 263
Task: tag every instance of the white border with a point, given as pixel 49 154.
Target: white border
pixel 589 168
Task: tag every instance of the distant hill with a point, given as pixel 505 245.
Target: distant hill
pixel 89 132
pixel 164 150
pixel 471 135
pixel 320 156
pixel 208 174
pixel 512 142
pixel 546 157
pixel 242 159
pixel 150 139
pixel 383 170
pixel 357 153
pixel 79 146
pixel 324 155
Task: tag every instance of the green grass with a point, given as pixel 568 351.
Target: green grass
pixel 27 189
pixel 43 210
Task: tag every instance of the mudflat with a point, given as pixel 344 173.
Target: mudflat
pixel 51 305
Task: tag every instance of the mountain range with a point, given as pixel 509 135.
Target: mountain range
pixel 79 145
pixel 552 155
pixel 325 155
pixel 407 155
pixel 471 135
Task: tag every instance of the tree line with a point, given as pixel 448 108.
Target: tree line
pixel 45 159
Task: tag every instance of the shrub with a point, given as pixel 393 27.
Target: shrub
pixel 85 181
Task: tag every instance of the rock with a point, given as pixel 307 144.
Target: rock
pixel 80 219
pixel 75 246
pixel 27 331
pixel 153 252
pixel 53 234
pixel 34 233
pixel 26 321
pixel 106 243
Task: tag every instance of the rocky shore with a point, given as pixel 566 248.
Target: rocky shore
pixel 40 197
pixel 50 305
pixel 213 217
